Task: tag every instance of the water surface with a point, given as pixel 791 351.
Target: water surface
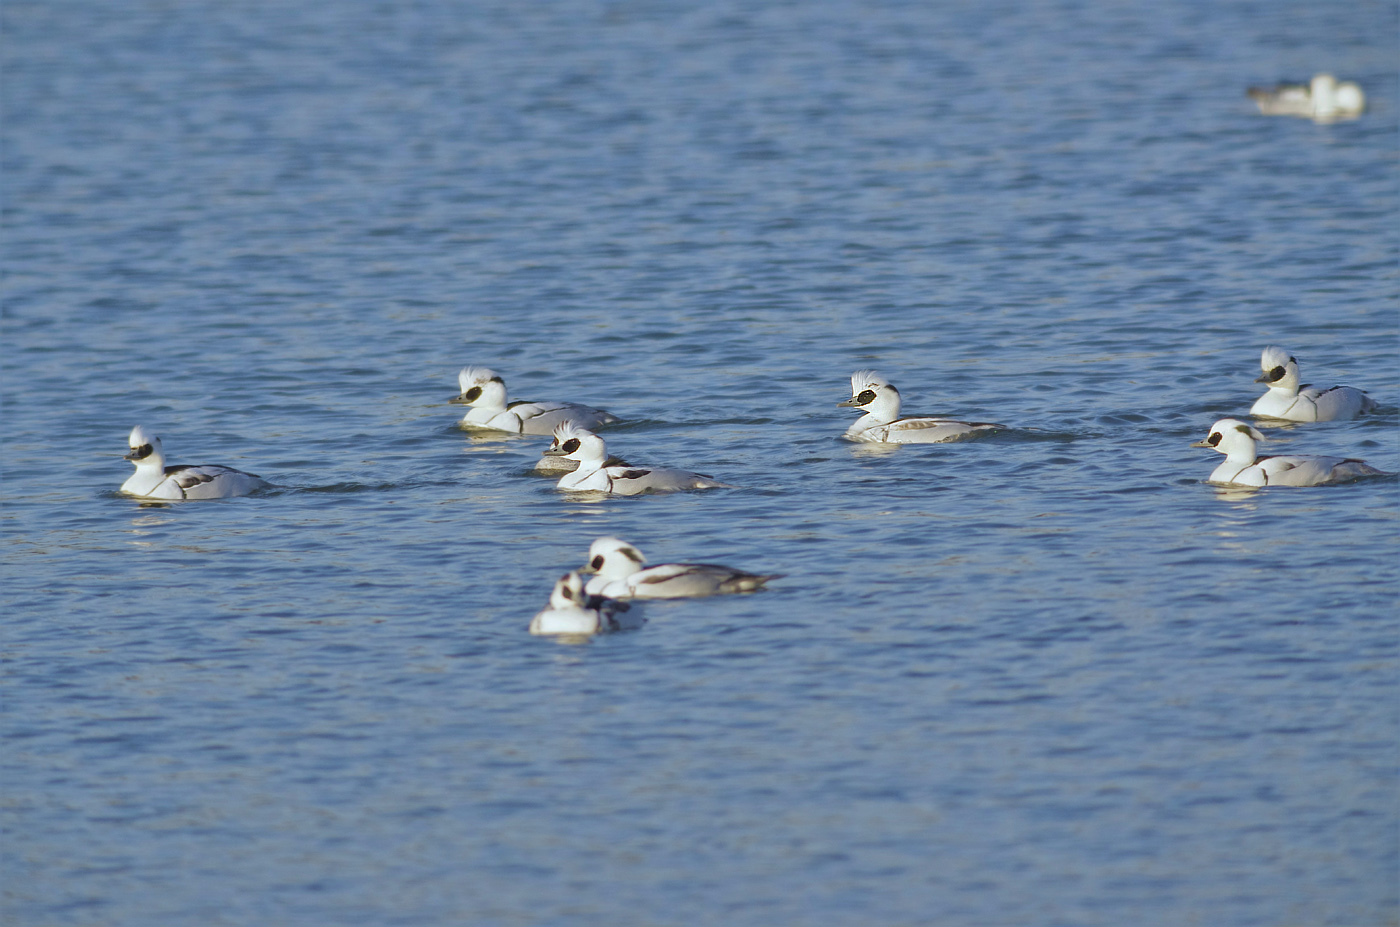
pixel 1044 677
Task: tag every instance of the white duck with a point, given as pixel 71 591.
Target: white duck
pixel 594 475
pixel 879 400
pixel 1323 99
pixel 573 611
pixel 1236 440
pixel 621 575
pixel 1286 399
pixel 154 480
pixel 485 392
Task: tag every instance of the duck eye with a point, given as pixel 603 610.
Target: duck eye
pixel 1214 438
pixel 1277 373
pixel 471 394
pixel 570 446
pixel 866 397
pixel 597 562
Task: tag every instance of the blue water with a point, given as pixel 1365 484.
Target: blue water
pixel 1048 677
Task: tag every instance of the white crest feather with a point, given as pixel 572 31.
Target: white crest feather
pixel 1274 356
pixel 866 379
pixel 476 376
pixel 139 436
pixel 569 429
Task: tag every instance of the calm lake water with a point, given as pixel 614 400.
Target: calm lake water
pixel 1048 677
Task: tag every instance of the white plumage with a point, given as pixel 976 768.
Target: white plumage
pixel 594 475
pixel 154 480
pixel 485 392
pixel 1323 99
pixel 621 574
pixel 879 400
pixel 1287 399
pixel 573 611
pixel 1242 467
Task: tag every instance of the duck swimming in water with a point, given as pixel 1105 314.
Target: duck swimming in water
pixel 573 611
pixel 1236 440
pixel 879 400
pixel 485 392
pixel 623 575
pixel 154 480
pixel 1288 400
pixel 1323 99
pixel 594 475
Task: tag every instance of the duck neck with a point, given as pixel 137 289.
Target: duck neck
pixel 1242 454
pixel 590 462
pixel 492 398
pixel 618 566
pixel 1288 385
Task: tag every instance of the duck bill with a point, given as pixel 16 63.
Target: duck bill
pixel 1264 379
pixel 848 404
pixel 1201 444
pixel 555 452
pixel 459 399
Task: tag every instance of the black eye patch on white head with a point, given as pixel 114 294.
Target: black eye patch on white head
pixel 865 397
pixel 1214 439
pixel 570 446
pixel 472 394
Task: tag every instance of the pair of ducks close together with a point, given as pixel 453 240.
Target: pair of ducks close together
pixel 1289 400
pixel 604 602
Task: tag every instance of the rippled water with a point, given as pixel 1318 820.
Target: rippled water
pixel 1045 677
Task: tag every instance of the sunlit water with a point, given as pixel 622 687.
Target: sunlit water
pixel 1046 677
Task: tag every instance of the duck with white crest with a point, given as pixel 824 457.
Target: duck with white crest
pixel 622 574
pixel 879 400
pixel 573 611
pixel 154 480
pixel 1243 467
pixel 594 474
pixel 485 391
pixel 1287 399
pixel 1323 99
